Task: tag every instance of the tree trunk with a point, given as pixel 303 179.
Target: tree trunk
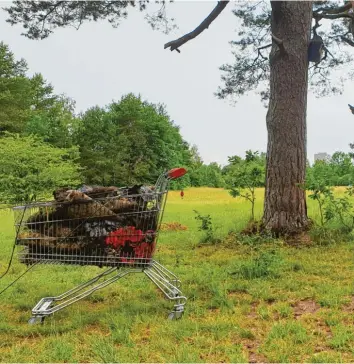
pixel 285 208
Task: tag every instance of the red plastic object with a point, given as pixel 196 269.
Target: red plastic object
pixel 176 173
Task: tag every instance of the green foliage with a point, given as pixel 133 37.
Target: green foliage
pixel 52 117
pixel 130 141
pixel 28 104
pixel 333 208
pixel 207 175
pixel 15 91
pixel 266 264
pixel 336 171
pixel 341 208
pixel 244 176
pixel 328 235
pixel 40 17
pixel 206 226
pixel 252 240
pixel 29 168
pixel 320 194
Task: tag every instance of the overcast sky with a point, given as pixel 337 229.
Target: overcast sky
pixel 98 64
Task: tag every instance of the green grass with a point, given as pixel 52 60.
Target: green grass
pixel 244 300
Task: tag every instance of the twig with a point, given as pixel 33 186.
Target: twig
pixel 175 44
pixel 327 51
pixel 263 47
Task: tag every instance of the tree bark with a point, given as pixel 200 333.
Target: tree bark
pixel 285 210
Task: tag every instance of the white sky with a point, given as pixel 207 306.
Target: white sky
pixel 98 64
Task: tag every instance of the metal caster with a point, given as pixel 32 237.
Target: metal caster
pixel 36 320
pixel 175 315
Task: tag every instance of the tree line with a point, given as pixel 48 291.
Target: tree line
pixel 45 145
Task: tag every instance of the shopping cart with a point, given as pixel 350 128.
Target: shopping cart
pixel 118 230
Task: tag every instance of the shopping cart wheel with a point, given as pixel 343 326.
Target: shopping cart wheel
pixel 175 315
pixel 36 320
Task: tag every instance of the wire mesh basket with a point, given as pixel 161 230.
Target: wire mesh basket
pixel 113 228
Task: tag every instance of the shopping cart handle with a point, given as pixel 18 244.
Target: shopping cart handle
pixel 176 173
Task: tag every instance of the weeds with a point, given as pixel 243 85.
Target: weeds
pixel 206 226
pixel 336 221
pixel 266 264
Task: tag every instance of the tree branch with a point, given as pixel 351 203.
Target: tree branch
pixel 347 40
pixel 175 44
pixel 339 10
pixel 260 53
pixel 317 25
pixel 332 16
pixel 278 42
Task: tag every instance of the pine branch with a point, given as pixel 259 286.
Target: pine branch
pixel 347 40
pixel 175 44
pixel 332 16
pixel 328 10
pixel 334 13
pixel 260 53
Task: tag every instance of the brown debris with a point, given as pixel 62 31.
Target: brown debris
pixel 253 356
pixel 173 226
pixel 65 194
pixel 76 223
pixel 121 205
pixel 302 239
pixel 304 307
pixel 350 306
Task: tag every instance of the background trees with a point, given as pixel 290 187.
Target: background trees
pixel 128 142
pixel 31 169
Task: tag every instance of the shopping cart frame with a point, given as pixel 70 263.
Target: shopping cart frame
pixel 166 281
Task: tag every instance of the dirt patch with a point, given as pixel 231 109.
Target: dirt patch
pixel 173 226
pixel 350 306
pixel 301 239
pixel 305 306
pixel 253 313
pixel 253 356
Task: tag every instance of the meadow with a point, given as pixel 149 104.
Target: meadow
pixel 248 300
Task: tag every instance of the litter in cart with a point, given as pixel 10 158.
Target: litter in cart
pixel 98 226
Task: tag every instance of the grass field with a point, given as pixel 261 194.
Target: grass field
pixel 246 302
